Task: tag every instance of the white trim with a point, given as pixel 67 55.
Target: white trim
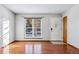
pixel 56 39
pixel 32 28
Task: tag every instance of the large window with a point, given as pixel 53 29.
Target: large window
pixel 5 30
pixel 33 28
pixel 0 28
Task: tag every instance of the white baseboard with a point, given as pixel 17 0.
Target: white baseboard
pixel 6 44
pixel 55 40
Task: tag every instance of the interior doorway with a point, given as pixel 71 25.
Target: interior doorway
pixel 65 29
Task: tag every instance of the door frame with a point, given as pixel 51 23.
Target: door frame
pixel 65 29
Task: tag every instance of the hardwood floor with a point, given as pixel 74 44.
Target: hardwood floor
pixel 38 48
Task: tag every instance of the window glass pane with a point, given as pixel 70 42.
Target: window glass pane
pixel 37 23
pixel 0 28
pixel 37 27
pixel 29 28
pixel 5 26
pixel 29 23
pixel 5 30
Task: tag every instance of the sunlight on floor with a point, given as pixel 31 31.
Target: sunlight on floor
pixel 30 49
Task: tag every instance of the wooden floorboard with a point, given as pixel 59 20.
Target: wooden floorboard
pixel 38 48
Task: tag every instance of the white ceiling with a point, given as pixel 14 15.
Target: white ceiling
pixel 38 8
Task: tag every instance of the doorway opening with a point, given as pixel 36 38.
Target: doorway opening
pixel 65 29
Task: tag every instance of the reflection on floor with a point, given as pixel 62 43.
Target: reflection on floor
pixel 38 48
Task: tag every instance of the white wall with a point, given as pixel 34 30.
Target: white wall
pixel 0 32
pixel 57 25
pixel 5 13
pixel 47 23
pixel 73 25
